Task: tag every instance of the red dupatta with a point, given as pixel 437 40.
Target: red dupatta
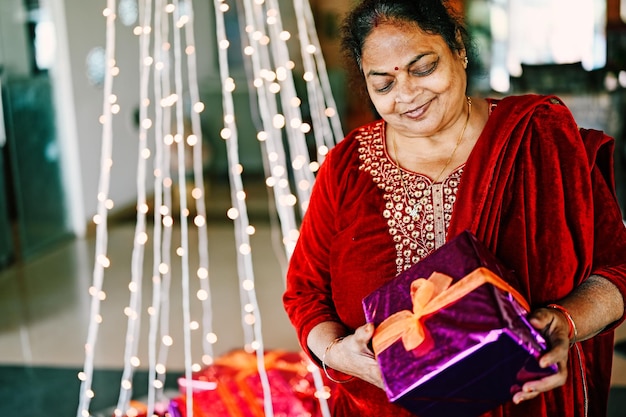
pixel 537 194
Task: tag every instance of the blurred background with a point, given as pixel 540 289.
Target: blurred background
pixel 52 67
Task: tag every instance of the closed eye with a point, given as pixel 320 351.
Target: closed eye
pixel 425 66
pixel 385 88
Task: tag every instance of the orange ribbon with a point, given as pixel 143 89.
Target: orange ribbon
pixel 428 296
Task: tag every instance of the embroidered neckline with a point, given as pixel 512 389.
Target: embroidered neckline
pixel 414 237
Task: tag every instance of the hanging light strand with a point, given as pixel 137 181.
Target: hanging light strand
pixel 274 87
pixel 133 311
pixel 291 105
pixel 322 107
pixel 101 260
pixel 301 164
pixel 155 384
pixel 330 110
pixel 251 319
pixel 326 124
pixel 164 76
pixel 183 251
pixel 271 137
pixel 261 58
pixel 197 107
pixel 266 136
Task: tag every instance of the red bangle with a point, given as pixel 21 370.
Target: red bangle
pixel 573 331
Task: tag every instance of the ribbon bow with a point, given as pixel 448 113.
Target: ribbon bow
pixel 428 296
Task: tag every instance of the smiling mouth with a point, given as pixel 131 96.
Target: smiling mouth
pixel 417 111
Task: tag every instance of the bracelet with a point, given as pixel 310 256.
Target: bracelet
pixel 324 367
pixel 573 331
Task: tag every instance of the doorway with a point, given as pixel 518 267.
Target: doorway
pixel 32 198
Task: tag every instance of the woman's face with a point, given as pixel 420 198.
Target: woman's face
pixel 415 81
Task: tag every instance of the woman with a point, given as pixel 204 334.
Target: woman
pixel 516 172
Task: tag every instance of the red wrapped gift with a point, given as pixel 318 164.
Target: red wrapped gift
pixel 452 338
pixel 233 387
pixel 136 409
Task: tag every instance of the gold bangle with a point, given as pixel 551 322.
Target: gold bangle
pixel 573 330
pixel 324 367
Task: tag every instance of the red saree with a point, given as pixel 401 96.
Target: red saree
pixel 532 190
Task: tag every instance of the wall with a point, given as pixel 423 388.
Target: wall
pixel 13 37
pixel 84 30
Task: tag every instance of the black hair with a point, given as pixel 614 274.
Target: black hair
pixel 432 16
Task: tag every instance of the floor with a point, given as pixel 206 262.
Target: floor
pixel 44 310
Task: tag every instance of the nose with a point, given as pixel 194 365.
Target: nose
pixel 405 90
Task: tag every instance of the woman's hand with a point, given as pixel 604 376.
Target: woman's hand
pixel 555 328
pixel 352 356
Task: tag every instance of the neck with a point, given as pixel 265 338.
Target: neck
pixel 428 164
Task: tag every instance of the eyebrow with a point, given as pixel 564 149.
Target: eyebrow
pixel 413 61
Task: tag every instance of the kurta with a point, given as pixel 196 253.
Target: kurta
pixel 537 194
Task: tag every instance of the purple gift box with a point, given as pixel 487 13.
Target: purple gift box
pixel 470 354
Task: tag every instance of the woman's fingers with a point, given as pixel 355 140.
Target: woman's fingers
pixel 532 389
pixel 363 335
pixel 359 359
pixel 555 329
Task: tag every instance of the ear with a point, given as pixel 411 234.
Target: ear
pixel 462 53
pixel 460 42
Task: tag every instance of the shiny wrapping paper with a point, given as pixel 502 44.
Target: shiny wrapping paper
pixel 238 391
pixel 477 351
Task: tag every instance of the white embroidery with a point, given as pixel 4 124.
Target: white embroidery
pixel 419 218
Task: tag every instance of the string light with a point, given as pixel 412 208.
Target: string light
pixel 195 140
pixel 86 377
pixel 326 123
pixel 253 339
pixel 159 268
pixel 275 88
pixel 140 237
pixel 326 134
pixel 159 325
